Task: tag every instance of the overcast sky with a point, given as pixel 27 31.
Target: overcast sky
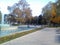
pixel 35 5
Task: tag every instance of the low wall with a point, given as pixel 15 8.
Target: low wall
pixel 9 28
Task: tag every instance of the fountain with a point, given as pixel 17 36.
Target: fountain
pixel 2 22
pixel 2 25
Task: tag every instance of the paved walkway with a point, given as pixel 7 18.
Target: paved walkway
pixel 45 36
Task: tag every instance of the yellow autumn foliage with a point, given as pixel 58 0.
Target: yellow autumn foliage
pixel 56 19
pixel 53 10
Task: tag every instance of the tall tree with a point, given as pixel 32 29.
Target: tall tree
pixel 58 7
pixel 21 9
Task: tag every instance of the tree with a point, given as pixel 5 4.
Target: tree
pixel 11 19
pixel 40 19
pixel 21 10
pixel 49 11
pixel 17 12
pixel 56 18
pixel 58 7
pixel 46 11
pixel 28 14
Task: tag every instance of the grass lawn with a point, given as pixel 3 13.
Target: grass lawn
pixel 16 35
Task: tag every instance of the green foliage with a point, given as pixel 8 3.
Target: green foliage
pixel 58 7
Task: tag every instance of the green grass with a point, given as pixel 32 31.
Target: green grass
pixel 53 26
pixel 16 35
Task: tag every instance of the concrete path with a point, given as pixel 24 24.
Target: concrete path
pixel 47 36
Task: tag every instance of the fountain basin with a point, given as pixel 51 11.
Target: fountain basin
pixel 8 27
pixel 10 32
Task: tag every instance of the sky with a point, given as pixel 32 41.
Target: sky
pixel 35 5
